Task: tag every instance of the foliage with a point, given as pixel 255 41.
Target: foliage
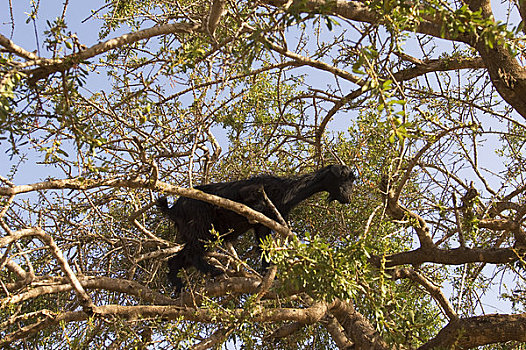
pixel 99 116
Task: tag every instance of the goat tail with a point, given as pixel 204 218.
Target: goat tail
pixel 162 203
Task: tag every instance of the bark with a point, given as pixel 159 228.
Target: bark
pixel 358 11
pixel 216 11
pixel 337 333
pixel 301 316
pixel 480 330
pixel 507 75
pixel 111 284
pixel 357 327
pixel 456 256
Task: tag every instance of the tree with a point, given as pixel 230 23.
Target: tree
pixel 424 99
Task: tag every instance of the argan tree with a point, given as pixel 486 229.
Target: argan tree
pixel 426 100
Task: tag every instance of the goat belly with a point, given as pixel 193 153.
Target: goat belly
pixel 229 224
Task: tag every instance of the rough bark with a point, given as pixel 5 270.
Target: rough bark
pixel 357 327
pixel 481 330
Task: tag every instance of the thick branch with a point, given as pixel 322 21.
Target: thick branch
pixel 507 75
pixel 337 333
pixel 141 312
pixel 358 11
pixel 357 327
pixel 17 50
pixel 316 311
pixel 216 11
pixel 480 330
pixel 457 256
pixel 307 316
pixel 522 11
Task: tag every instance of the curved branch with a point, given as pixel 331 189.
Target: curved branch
pixel 358 11
pixel 506 73
pixel 337 333
pixel 83 297
pixel 15 49
pixel 141 312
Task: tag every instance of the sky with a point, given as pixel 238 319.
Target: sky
pixel 79 12
pixel 23 35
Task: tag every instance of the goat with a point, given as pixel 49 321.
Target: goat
pixel 194 219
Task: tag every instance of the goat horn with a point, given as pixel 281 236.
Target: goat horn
pixel 336 156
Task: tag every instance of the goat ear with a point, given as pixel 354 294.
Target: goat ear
pixel 251 193
pixel 337 170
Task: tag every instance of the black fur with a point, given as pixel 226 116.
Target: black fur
pixel 194 219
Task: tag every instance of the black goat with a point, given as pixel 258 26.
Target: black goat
pixel 194 219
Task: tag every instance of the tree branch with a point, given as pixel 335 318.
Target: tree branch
pixel 357 327
pixel 86 184
pixel 111 284
pixel 479 330
pixel 457 256
pixel 83 297
pixel 49 66
pixel 337 333
pixel 434 291
pixel 358 11
pixel 17 50
pixel 216 11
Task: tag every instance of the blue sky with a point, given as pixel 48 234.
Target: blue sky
pixel 78 11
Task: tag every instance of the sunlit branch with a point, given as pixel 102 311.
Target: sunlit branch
pixel 49 66
pixel 100 282
pixel 86 184
pixel 433 290
pixel 476 331
pixel 357 327
pixel 83 297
